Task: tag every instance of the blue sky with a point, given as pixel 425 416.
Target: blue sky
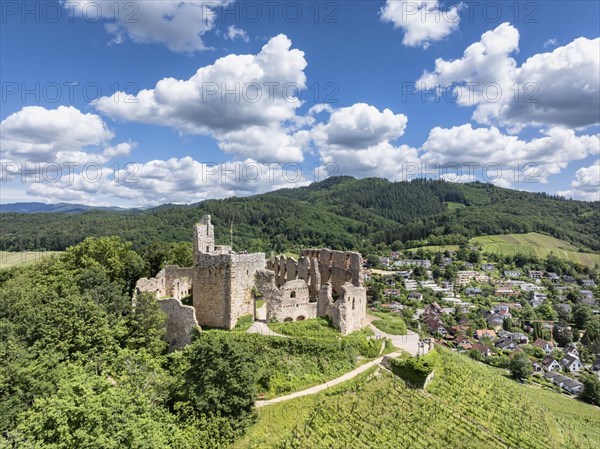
pixel 377 82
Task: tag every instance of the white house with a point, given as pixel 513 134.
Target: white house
pixel 551 364
pixel 572 363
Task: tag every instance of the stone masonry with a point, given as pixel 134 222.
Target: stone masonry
pixel 321 283
pixel 224 285
pixel 171 281
pixel 180 324
pixel 223 281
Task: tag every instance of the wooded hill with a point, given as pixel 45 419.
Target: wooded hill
pixel 340 212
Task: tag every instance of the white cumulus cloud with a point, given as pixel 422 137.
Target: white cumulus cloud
pixel 234 33
pixel 423 22
pixel 357 141
pixel 520 160
pixel 586 185
pixel 557 88
pixel 177 180
pixel 37 134
pixel 236 100
pixel 179 25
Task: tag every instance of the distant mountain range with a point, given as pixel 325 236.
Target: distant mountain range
pixel 66 208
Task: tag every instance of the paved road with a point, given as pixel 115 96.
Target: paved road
pixel 408 342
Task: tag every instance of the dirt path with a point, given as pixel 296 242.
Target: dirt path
pixel 408 343
pixel 259 327
pixel 318 388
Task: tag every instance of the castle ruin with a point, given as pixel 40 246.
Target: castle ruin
pixel 225 286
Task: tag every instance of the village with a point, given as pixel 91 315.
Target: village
pixel 492 310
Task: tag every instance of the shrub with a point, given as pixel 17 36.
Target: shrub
pixel 413 371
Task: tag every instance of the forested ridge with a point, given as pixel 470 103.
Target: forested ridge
pixel 339 212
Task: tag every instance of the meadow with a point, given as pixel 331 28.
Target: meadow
pixel 22 258
pixel 534 243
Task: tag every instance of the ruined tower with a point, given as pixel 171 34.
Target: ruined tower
pixel 223 281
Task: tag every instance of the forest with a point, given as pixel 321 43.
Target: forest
pixel 340 212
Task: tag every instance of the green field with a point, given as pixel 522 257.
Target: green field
pixel 468 405
pixel 390 323
pixel 8 259
pixel 534 243
pixel 436 248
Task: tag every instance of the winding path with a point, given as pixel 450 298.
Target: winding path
pixel 408 343
pixel 318 388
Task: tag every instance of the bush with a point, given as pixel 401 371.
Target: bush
pixel 520 366
pixel 413 371
pixel 243 323
pixel 591 388
pixel 313 328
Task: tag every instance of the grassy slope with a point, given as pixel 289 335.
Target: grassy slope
pixel 389 323
pixel 541 245
pixel 436 248
pixel 9 259
pixel 468 405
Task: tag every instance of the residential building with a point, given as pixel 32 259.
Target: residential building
pixel 410 284
pixel 564 382
pixel 533 274
pixel 544 345
pixel 495 321
pixel 482 333
pixel 549 363
pixel 564 307
pixel 391 292
pixel 503 291
pixel 426 263
pixel 416 296
pixel 571 348
pixel 553 276
pixel 473 291
pixel 587 294
pixel 512 274
pixel 572 363
pixel 482 349
pixel 506 343
pixel 568 279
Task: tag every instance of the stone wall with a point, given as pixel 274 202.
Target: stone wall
pixel 171 281
pixel 291 302
pixel 204 239
pixel 223 287
pixel 178 281
pixel 181 323
pixel 348 313
pixel 337 267
pixel 243 282
pixel 331 279
pixel 155 285
pixel 322 283
pixel 212 290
